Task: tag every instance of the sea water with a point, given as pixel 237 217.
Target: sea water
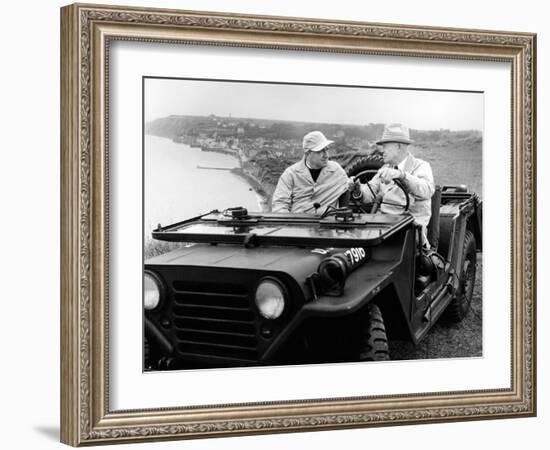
pixel 175 188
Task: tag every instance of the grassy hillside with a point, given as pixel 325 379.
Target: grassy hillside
pixel 457 160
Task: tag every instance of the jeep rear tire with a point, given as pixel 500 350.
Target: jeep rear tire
pixel 373 340
pixel 372 162
pixel 460 304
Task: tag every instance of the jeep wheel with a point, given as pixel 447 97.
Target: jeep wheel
pixel 460 304
pixel 372 162
pixel 373 340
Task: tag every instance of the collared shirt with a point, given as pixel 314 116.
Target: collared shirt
pixel 419 182
pixel 297 192
pixel 402 164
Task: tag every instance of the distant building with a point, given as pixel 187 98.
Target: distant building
pixel 225 132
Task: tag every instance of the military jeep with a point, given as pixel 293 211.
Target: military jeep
pixel 251 288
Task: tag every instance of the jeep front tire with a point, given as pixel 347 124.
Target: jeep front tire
pixel 373 345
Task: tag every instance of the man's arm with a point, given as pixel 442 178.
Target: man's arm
pixel 344 182
pixel 421 184
pixel 282 201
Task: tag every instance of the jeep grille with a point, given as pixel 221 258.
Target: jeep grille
pixel 215 321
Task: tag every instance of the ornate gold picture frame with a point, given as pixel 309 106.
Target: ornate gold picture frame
pixel 87 32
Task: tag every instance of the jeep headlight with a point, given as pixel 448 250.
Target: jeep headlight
pixel 151 291
pixel 270 298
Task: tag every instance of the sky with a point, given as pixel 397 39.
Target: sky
pixel 418 109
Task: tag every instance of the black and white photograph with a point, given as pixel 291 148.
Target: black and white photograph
pixel 289 224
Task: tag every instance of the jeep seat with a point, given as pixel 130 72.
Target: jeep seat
pixel 433 225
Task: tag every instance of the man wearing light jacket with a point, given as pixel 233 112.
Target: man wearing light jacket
pixel 414 173
pixel 314 183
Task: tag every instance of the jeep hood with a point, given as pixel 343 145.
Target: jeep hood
pixel 292 260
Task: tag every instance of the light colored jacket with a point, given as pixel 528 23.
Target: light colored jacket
pixel 297 192
pixel 419 182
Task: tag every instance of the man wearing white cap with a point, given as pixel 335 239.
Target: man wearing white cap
pixel 314 182
pixel 415 175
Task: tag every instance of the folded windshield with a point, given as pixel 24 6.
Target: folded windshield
pixel 285 229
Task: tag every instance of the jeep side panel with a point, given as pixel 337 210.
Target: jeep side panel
pixel 459 212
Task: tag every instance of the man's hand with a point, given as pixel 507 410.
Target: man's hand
pixel 387 174
pixel 353 185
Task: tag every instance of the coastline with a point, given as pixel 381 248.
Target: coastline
pixel 171 169
pixel 264 197
pixel 224 151
pixel 263 193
